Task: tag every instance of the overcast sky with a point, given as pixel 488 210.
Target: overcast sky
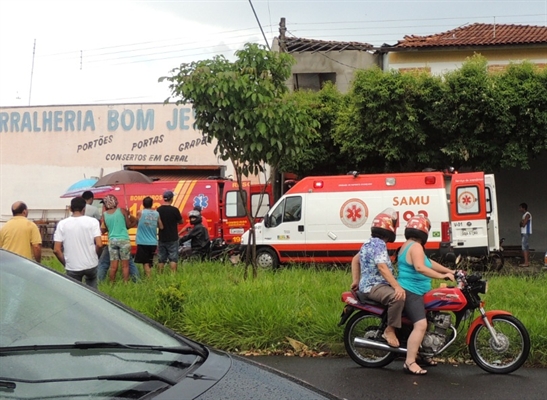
pixel 114 51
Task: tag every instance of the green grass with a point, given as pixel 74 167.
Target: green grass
pixel 212 303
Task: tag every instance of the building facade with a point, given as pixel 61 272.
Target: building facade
pixel 45 149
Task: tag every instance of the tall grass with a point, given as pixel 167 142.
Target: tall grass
pixel 212 303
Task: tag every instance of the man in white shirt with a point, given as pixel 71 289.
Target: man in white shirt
pixel 78 243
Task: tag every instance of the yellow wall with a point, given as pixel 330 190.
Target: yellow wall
pixel 435 56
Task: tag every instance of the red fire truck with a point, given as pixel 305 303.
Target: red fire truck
pixel 219 199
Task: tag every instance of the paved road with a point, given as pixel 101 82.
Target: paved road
pixel 343 378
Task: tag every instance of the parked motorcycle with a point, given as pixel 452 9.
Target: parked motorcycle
pixel 497 341
pixel 492 262
pixel 218 250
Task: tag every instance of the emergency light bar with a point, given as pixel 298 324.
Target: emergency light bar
pixel 317 184
pixel 430 180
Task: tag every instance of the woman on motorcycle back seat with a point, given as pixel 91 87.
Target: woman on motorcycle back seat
pixel 372 273
pixel 415 274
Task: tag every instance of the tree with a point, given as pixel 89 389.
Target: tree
pixel 243 106
pixel 323 156
pixel 469 118
pixel 522 92
pixel 385 125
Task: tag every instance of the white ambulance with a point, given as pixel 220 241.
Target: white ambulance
pixel 326 219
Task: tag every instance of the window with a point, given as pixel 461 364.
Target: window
pixel 234 206
pixel 289 210
pixel 488 201
pixel 293 209
pixel 468 200
pixel 313 82
pixel 259 212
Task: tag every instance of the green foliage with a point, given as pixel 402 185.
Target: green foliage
pixel 468 118
pixel 169 305
pixel 386 125
pixel 522 95
pixel 322 156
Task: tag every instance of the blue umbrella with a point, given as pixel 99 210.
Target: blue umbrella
pixel 79 187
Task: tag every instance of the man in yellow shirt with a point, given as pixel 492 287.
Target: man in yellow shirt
pixel 20 235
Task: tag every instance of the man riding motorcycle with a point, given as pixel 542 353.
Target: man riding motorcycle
pixel 198 237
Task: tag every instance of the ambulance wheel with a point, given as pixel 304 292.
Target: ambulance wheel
pixel 266 258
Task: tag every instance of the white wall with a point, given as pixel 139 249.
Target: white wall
pixel 46 149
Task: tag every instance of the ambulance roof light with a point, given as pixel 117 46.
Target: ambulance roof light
pixel 317 184
pixel 430 180
pixel 390 181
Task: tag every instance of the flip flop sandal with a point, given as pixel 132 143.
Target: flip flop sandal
pixel 390 342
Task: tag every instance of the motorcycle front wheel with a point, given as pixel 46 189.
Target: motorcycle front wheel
pixel 366 326
pixel 509 353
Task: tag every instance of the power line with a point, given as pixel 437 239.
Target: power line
pixel 513 16
pixel 133 51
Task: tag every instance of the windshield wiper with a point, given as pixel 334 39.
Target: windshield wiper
pixel 144 376
pixel 104 345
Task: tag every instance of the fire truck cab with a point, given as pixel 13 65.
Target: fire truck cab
pixel 219 200
pixel 326 219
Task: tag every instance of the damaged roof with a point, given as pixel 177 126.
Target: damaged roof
pixel 479 35
pixel 298 45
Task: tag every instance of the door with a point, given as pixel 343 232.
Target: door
pixel 286 229
pixel 234 220
pixel 492 213
pixel 468 214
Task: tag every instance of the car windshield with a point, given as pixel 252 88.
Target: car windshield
pixel 41 308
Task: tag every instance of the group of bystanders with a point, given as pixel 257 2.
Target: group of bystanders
pixel 78 239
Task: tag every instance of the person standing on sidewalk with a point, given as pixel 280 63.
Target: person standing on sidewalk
pixel 168 238
pixel 20 235
pixel 90 209
pixel 78 243
pixel 147 235
pixel 116 221
pixel 525 232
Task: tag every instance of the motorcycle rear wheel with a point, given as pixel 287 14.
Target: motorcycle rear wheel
pixel 509 354
pixel 365 325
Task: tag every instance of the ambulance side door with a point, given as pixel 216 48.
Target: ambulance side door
pixel 468 214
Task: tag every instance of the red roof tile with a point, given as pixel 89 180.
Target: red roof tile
pixel 479 35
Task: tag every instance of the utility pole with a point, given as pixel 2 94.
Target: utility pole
pixel 32 71
pixel 282 31
pixel 260 26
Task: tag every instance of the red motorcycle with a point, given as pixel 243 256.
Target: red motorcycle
pixel 498 342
